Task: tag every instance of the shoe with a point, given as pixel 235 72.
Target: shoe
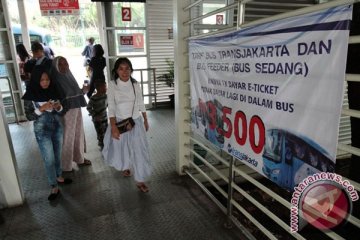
pixel 53 195
pixel 66 181
pixel 126 173
pixel 142 187
pixel 85 163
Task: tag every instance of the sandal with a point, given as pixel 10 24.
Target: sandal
pixel 85 163
pixel 64 181
pixel 126 173
pixel 54 194
pixel 142 187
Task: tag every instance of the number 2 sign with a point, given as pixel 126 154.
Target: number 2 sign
pixel 126 13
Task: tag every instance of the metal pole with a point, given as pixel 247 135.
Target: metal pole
pixel 154 77
pixel 24 25
pixel 13 100
pixel 228 223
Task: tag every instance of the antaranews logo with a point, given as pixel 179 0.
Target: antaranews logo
pixel 323 199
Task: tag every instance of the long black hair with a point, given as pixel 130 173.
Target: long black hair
pixel 22 52
pixel 98 51
pixel 119 61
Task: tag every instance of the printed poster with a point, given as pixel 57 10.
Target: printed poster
pixel 271 95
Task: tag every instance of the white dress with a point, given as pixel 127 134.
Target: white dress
pixel 131 151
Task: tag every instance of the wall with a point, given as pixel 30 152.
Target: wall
pixel 160 19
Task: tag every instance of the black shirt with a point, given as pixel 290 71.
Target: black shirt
pixel 97 65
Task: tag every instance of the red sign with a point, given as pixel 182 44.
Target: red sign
pixel 126 40
pixel 126 13
pixel 219 19
pixel 138 40
pixel 59 7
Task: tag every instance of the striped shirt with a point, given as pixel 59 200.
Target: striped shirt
pixel 97 107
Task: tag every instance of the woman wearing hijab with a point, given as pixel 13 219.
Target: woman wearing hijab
pixel 72 98
pixel 42 106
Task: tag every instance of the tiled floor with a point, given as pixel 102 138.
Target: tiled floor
pixel 101 204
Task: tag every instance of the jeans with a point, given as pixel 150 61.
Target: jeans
pixel 48 130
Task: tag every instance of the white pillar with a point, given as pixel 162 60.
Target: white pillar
pixel 10 191
pixel 24 26
pixel 101 24
pixel 181 77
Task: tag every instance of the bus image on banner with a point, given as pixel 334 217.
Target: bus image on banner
pixel 202 117
pixel 288 159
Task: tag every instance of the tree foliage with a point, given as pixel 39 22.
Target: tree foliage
pixel 86 19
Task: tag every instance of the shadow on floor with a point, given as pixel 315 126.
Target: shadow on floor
pixel 102 204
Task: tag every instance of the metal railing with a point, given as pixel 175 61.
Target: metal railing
pixel 9 103
pixel 228 171
pixel 148 82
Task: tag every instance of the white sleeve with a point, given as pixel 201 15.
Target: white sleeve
pixel 111 99
pixel 37 112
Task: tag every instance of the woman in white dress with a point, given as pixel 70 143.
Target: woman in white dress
pixel 128 151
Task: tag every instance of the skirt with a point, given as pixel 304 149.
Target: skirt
pixel 131 151
pixel 74 144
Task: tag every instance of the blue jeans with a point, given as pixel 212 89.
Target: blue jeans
pixel 48 130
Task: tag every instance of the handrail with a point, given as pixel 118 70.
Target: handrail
pixel 351 113
pixel 349 149
pixel 211 13
pixel 300 11
pixel 192 5
pixel 293 13
pixel 352 77
pixel 149 82
pixel 354 39
pixel 13 105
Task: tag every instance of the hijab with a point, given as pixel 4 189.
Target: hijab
pixel 71 95
pixel 34 92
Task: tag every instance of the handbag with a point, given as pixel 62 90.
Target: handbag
pixel 125 125
pixel 128 123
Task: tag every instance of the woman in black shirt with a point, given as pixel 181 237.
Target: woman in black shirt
pixel 97 65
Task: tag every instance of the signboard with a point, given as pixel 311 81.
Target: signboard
pixel 219 19
pixel 126 14
pixel 118 1
pixel 59 7
pixel 271 95
pixel 131 42
pixel 138 40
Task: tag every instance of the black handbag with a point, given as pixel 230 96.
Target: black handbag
pixel 128 123
pixel 125 125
